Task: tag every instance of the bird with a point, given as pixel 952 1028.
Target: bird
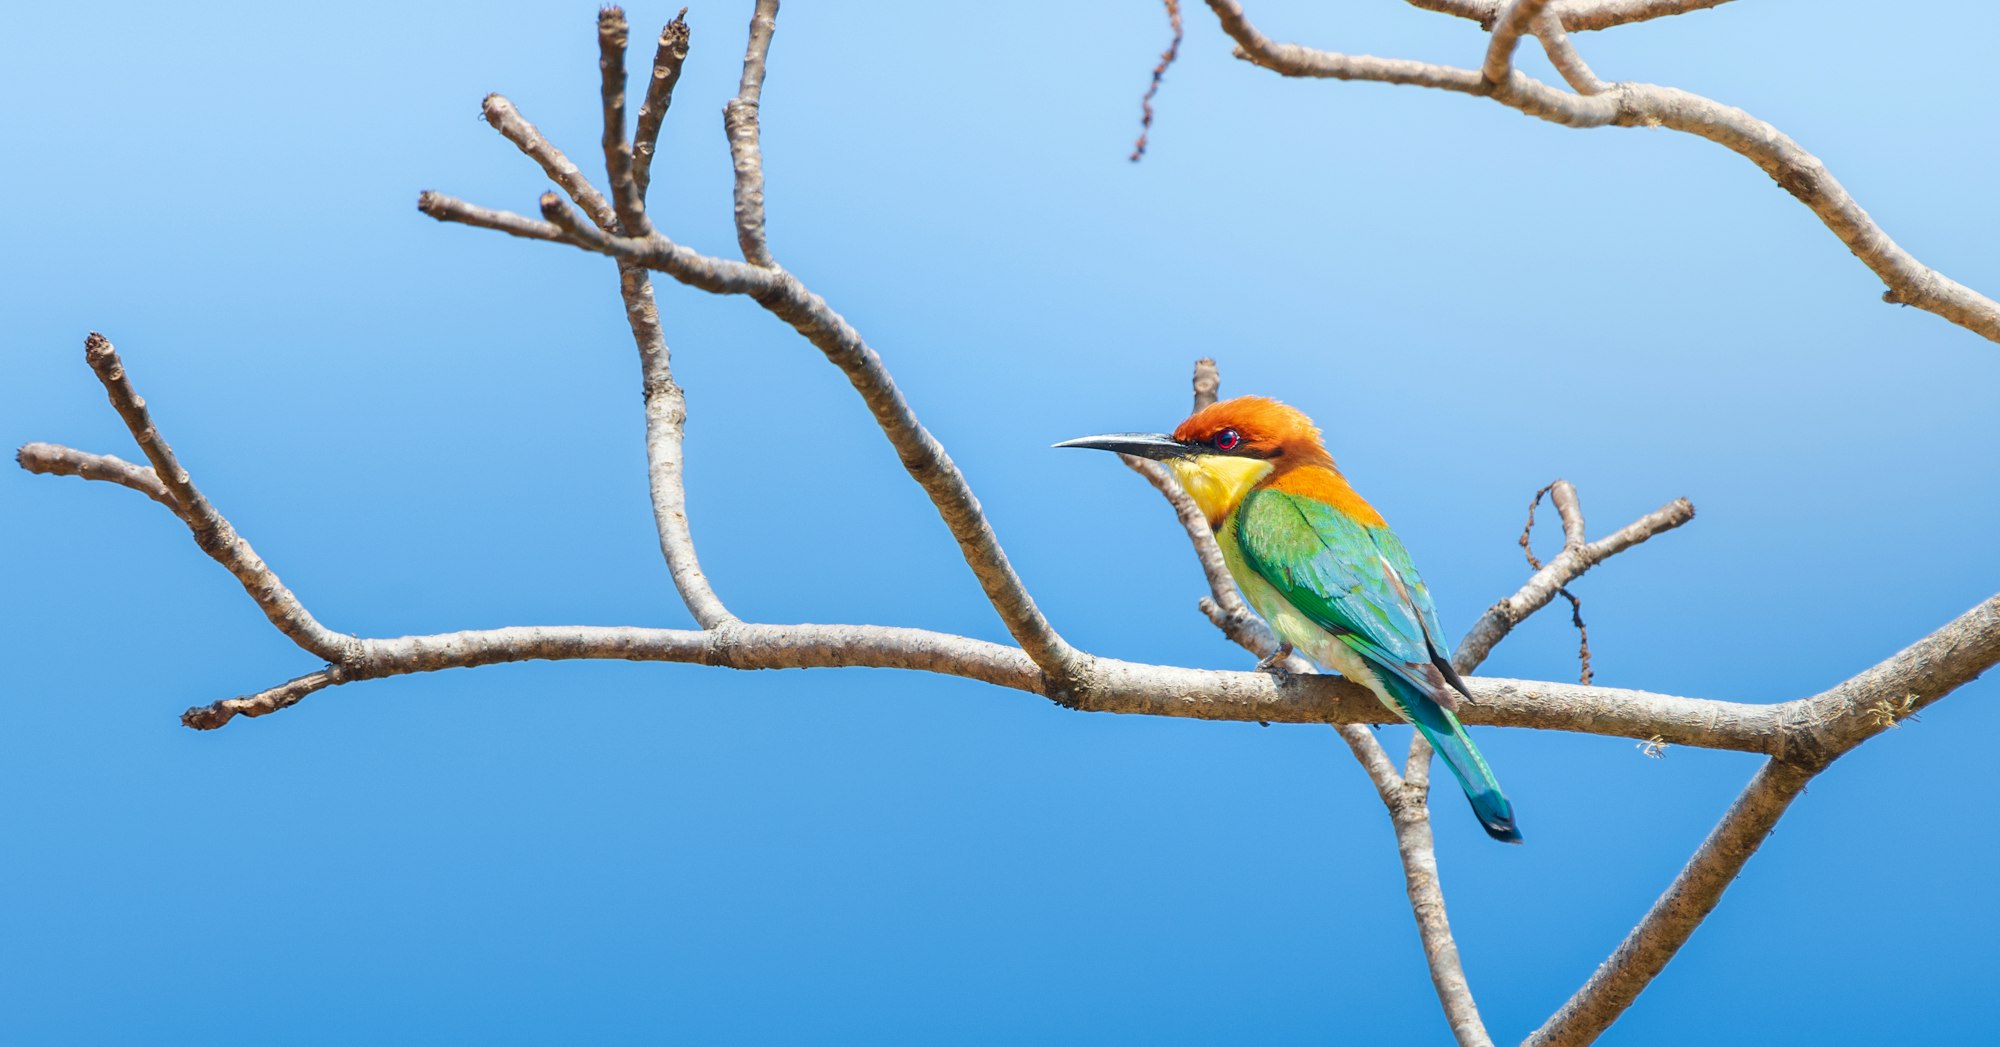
pixel 1323 568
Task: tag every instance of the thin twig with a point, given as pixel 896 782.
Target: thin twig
pixel 1563 568
pixel 507 120
pixel 1571 512
pixel 211 531
pixel 613 33
pixel 1159 73
pixel 1514 22
pixel 667 61
pixel 1563 55
pixel 740 120
pixel 451 209
pixel 57 460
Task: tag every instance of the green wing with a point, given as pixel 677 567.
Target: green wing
pixel 1344 577
pixel 1332 569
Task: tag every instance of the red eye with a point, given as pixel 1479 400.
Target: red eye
pixel 1227 440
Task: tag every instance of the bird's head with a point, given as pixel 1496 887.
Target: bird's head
pixel 1223 450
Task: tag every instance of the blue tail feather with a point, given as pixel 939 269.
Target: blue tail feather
pixel 1447 736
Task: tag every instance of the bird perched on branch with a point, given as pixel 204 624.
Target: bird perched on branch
pixel 1323 568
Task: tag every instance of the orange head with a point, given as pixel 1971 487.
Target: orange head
pixel 1254 427
pixel 1226 449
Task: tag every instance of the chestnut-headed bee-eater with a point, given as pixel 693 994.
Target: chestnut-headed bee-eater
pixel 1323 568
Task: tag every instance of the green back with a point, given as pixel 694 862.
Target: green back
pixel 1330 567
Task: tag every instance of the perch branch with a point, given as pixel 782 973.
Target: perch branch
pixel 1797 171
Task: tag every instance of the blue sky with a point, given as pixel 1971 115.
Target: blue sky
pixel 428 428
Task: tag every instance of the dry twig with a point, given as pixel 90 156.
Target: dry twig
pixel 1159 73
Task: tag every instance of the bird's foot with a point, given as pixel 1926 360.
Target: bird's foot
pixel 1272 664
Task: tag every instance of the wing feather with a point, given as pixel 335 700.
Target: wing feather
pixel 1355 581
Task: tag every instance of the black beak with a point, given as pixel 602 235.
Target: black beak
pixel 1158 446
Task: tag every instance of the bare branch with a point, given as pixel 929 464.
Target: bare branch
pixel 1110 685
pixel 1207 383
pixel 212 532
pixel 667 61
pixel 451 209
pixel 666 421
pixel 666 405
pixel 1563 55
pixel 283 696
pixel 1513 22
pixel 1797 171
pixel 739 119
pixel 507 120
pixel 1576 15
pixel 1827 726
pixel 1674 916
pixel 613 33
pixel 1485 12
pixel 57 460
pixel 736 645
pixel 1582 15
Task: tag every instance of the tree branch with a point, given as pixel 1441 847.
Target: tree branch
pixel 1513 22
pixel 613 32
pixel 504 118
pixel 1828 726
pixel 667 61
pixel 781 293
pixel 1797 171
pixel 211 531
pixel 666 404
pixel 1575 15
pixel 1563 55
pixel 57 460
pixel 739 119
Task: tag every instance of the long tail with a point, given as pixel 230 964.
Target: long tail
pixel 1447 736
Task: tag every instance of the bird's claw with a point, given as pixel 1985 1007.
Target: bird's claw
pixel 1274 663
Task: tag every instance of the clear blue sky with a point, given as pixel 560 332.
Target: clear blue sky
pixel 429 428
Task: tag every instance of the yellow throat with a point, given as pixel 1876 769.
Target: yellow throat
pixel 1218 482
